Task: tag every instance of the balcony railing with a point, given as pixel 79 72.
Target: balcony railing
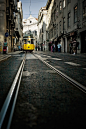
pixel 12 21
pixel 9 18
pixel 7 27
pixel 10 32
pixel 7 11
pixel 11 2
pixel 13 7
pixel 13 26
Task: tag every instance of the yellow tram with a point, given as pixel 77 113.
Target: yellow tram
pixel 28 44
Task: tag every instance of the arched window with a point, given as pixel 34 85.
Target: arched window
pixel 60 5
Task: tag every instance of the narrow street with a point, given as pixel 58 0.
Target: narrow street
pixel 46 100
pixel 42 64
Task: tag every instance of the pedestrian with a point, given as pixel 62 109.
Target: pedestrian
pixel 36 47
pixel 59 47
pixel 53 47
pixel 5 46
pixel 71 47
pixel 74 46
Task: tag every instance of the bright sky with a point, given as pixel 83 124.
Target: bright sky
pixel 32 6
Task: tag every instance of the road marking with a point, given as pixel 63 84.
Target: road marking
pixel 49 56
pixel 56 59
pixel 44 55
pixel 71 63
pixel 26 73
pixel 16 55
pixel 30 56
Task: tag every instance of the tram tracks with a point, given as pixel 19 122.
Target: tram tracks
pixel 9 104
pixel 69 79
pixel 7 110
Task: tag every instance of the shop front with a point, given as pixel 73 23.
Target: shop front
pixel 83 42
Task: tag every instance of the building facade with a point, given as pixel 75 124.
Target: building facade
pixel 8 15
pixel 66 19
pixel 30 27
pixel 19 25
pixel 42 21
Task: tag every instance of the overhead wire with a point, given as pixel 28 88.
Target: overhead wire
pixel 29 8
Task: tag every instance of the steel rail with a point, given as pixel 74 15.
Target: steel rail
pixel 72 81
pixel 9 96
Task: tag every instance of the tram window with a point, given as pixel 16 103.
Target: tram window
pixel 28 42
pixel 32 41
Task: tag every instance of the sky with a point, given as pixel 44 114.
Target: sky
pixel 32 7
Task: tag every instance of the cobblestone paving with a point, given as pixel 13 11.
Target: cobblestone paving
pixel 46 100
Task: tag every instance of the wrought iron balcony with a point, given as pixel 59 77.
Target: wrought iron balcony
pixel 9 18
pixel 12 21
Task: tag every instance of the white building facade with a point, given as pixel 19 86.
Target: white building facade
pixel 42 21
pixel 18 25
pixel 30 27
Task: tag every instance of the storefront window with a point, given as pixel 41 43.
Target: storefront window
pixel 75 14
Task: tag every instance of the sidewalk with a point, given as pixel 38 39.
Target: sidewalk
pixel 6 56
pixel 60 53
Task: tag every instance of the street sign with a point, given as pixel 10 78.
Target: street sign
pixel 6 34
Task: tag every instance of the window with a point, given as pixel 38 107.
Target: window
pixel 60 5
pixel 53 32
pixel 60 26
pixel 69 19
pixel 68 1
pixel 57 28
pixel 30 21
pixel 57 11
pixel 84 9
pixel 75 14
pixel 55 15
pixel 52 17
pixel 63 3
pixel 64 23
pixel 35 33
